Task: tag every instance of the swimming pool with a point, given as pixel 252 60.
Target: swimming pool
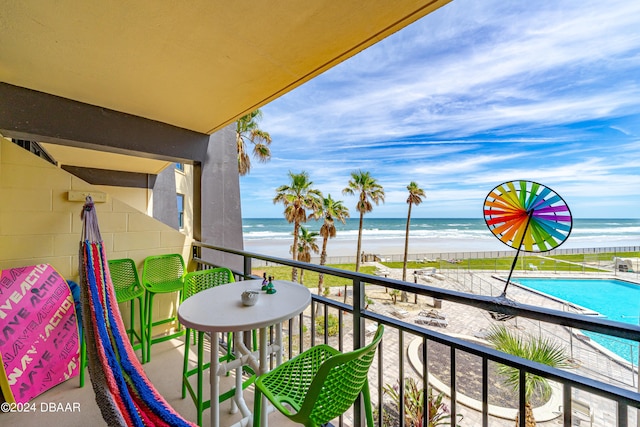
pixel 616 299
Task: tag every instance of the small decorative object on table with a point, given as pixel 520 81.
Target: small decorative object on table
pixel 270 288
pixel 250 297
pixel 264 281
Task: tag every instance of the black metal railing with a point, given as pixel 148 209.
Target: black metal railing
pixel 619 399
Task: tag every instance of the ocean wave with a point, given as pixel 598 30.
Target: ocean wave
pixel 585 232
pixel 382 234
pixel 260 235
pixel 607 231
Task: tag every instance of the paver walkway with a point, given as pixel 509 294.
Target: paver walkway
pixel 469 321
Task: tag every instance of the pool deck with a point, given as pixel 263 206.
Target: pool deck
pixel 591 360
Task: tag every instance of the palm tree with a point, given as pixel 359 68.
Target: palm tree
pixel 415 198
pixel 535 348
pixel 298 197
pixel 331 210
pixel 368 190
pixel 306 244
pixel 247 130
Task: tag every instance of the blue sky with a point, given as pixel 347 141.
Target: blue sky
pixel 470 96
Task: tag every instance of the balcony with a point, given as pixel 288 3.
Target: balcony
pixel 599 390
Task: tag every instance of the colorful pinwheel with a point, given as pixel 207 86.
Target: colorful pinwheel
pixel 527 216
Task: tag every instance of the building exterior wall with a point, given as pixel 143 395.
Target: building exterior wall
pixel 221 204
pixel 165 208
pixel 38 224
pixel 138 198
pixel 184 186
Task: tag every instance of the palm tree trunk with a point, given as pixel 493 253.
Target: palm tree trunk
pixel 529 420
pixel 294 250
pixel 359 242
pixel 357 252
pixel 406 246
pixel 405 296
pixel 323 260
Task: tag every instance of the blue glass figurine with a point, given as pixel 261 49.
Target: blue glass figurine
pixel 264 281
pixel 270 288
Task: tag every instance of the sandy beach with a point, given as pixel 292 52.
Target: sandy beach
pixel 417 246
pixel 386 247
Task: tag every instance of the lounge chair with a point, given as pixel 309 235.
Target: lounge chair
pixel 582 410
pixel 430 321
pixel 533 267
pixel 382 272
pixel 434 314
pixel 426 272
pixel 400 313
pixel 482 334
pixel 371 329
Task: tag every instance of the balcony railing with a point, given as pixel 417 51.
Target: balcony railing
pixel 592 397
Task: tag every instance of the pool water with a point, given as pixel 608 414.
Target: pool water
pixel 616 299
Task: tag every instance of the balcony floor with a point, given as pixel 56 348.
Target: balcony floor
pixel 164 371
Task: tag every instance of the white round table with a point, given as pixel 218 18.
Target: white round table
pixel 220 309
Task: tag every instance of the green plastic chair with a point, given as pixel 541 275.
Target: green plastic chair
pixel 193 283
pixel 320 384
pixel 161 274
pixel 124 276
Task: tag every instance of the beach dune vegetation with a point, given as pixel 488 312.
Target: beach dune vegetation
pixel 301 202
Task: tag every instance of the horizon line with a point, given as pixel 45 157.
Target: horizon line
pixel 449 217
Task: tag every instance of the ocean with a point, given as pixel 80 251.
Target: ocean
pixel 428 235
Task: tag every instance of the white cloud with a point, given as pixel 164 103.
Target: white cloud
pixel 468 97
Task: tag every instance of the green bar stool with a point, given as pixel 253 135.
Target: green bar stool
pixel 127 287
pixel 124 276
pixel 161 274
pixel 320 384
pixel 193 283
pixel 83 359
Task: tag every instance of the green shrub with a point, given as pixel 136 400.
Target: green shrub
pixel 438 412
pixel 333 325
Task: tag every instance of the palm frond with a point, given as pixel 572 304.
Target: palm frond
pixel 535 348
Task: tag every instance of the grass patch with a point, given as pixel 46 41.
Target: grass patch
pixel 310 278
pixel 411 265
pixel 564 263
pixel 604 256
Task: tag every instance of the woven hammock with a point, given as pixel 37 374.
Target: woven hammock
pixel 123 392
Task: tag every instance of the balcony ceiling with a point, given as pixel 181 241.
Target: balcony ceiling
pixel 86 158
pixel 197 65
